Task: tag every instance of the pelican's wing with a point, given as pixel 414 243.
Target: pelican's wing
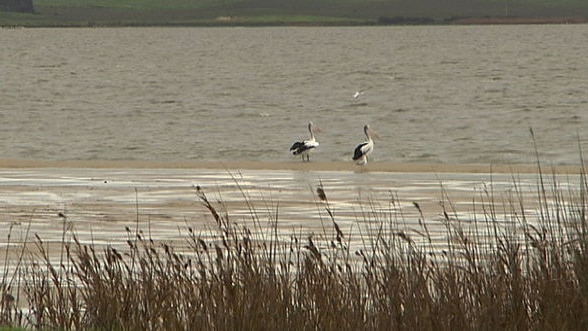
pixel 303 146
pixel 297 147
pixel 360 151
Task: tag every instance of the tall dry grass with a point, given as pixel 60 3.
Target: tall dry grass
pixel 530 273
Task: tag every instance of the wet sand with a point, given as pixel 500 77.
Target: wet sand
pixel 296 166
pixel 97 201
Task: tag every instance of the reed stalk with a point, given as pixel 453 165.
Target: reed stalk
pixel 525 273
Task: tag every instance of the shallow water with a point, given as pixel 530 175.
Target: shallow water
pixel 456 95
pixel 97 205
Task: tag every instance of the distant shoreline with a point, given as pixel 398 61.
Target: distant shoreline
pixel 293 166
pixel 244 21
pixel 317 13
pixel 521 20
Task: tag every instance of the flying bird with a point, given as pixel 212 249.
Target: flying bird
pixel 357 94
pixel 305 147
pixel 360 155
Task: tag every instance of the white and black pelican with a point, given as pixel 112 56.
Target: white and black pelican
pixel 305 147
pixel 360 155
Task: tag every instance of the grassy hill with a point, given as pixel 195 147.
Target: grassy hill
pixel 276 12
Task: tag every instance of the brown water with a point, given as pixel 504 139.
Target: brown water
pixel 455 95
pixel 113 128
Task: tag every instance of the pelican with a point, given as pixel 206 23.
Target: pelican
pixel 305 147
pixel 360 155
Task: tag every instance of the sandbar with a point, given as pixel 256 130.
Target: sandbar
pixel 295 166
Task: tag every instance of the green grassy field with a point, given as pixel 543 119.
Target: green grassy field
pixel 276 12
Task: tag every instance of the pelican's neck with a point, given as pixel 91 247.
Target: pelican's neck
pixel 366 130
pixel 310 130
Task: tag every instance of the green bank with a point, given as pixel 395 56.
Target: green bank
pixel 291 12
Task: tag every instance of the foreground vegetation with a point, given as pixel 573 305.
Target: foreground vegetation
pixel 283 12
pixel 530 272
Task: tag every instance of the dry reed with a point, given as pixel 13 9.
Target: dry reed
pixel 529 275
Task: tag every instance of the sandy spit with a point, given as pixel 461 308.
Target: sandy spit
pixel 294 165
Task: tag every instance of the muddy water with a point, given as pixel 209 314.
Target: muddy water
pixel 448 94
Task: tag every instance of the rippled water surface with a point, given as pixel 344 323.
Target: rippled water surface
pixel 466 94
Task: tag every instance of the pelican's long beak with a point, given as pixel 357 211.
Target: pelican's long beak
pixel 373 134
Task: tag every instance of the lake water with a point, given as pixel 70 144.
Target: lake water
pixel 443 94
pixel 154 103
